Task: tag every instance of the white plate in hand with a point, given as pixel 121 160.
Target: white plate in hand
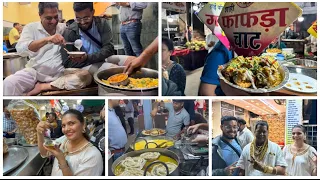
pixel 301 83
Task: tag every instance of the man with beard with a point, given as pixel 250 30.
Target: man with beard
pixel 95 34
pixel 178 116
pixel 262 157
pixel 244 135
pixel 225 149
pixel 41 43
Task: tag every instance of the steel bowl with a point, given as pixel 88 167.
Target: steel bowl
pixel 138 153
pixel 104 89
pixel 282 69
pixel 301 63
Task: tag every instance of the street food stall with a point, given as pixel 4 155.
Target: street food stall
pixel 280 114
pixel 151 152
pixel 13 62
pixel 189 53
pixel 21 156
pixel 259 70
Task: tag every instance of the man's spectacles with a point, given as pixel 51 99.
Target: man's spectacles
pixel 85 19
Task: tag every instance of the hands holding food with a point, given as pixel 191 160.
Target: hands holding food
pixel 78 57
pixel 42 127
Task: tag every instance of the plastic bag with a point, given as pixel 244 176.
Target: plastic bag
pixel 27 118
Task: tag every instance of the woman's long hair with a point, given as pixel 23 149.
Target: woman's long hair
pixel 80 117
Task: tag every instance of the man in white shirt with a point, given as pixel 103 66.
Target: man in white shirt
pixel 41 42
pixel 244 135
pixel 262 157
pixel 129 115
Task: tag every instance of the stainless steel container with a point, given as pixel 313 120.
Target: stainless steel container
pixel 13 64
pixel 138 153
pixel 104 89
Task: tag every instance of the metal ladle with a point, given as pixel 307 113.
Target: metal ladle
pixel 77 44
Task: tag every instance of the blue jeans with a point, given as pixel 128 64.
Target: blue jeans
pixel 130 35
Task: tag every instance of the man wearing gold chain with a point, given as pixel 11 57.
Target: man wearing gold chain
pixel 262 157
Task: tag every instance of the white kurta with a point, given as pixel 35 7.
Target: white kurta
pixel 45 65
pixel 245 137
pixel 302 165
pixel 274 157
pixel 86 163
pixel 47 60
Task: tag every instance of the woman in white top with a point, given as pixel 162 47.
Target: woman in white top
pixel 76 156
pixel 300 157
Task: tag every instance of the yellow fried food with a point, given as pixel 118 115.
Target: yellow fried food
pixel 141 144
pixel 274 50
pixel 118 78
pixel 137 83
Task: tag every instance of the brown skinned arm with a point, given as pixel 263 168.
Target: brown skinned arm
pixel 279 170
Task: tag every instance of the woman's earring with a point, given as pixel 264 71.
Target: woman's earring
pixel 83 131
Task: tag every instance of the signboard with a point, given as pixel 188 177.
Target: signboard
pixel 226 112
pixel 239 109
pixel 227 106
pixel 293 117
pixel 251 26
pixel 313 29
pixel 209 15
pixel 180 7
pixel 172 28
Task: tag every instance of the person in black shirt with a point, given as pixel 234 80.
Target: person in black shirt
pixel 119 113
pixel 55 132
pixel 98 137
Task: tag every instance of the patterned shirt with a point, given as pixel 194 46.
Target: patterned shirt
pixel 8 124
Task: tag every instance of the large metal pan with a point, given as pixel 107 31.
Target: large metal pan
pixel 138 153
pixel 225 84
pixel 14 158
pixel 104 89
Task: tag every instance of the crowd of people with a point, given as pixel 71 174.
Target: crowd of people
pixel 46 43
pixel 239 152
pixel 182 114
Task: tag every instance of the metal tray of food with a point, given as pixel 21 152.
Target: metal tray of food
pixel 282 69
pixel 14 158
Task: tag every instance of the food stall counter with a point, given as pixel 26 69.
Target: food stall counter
pixel 32 165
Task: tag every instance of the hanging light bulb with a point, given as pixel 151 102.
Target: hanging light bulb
pixel 170 19
pixel 195 8
pixel 300 19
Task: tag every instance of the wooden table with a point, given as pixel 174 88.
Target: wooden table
pixel 91 90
